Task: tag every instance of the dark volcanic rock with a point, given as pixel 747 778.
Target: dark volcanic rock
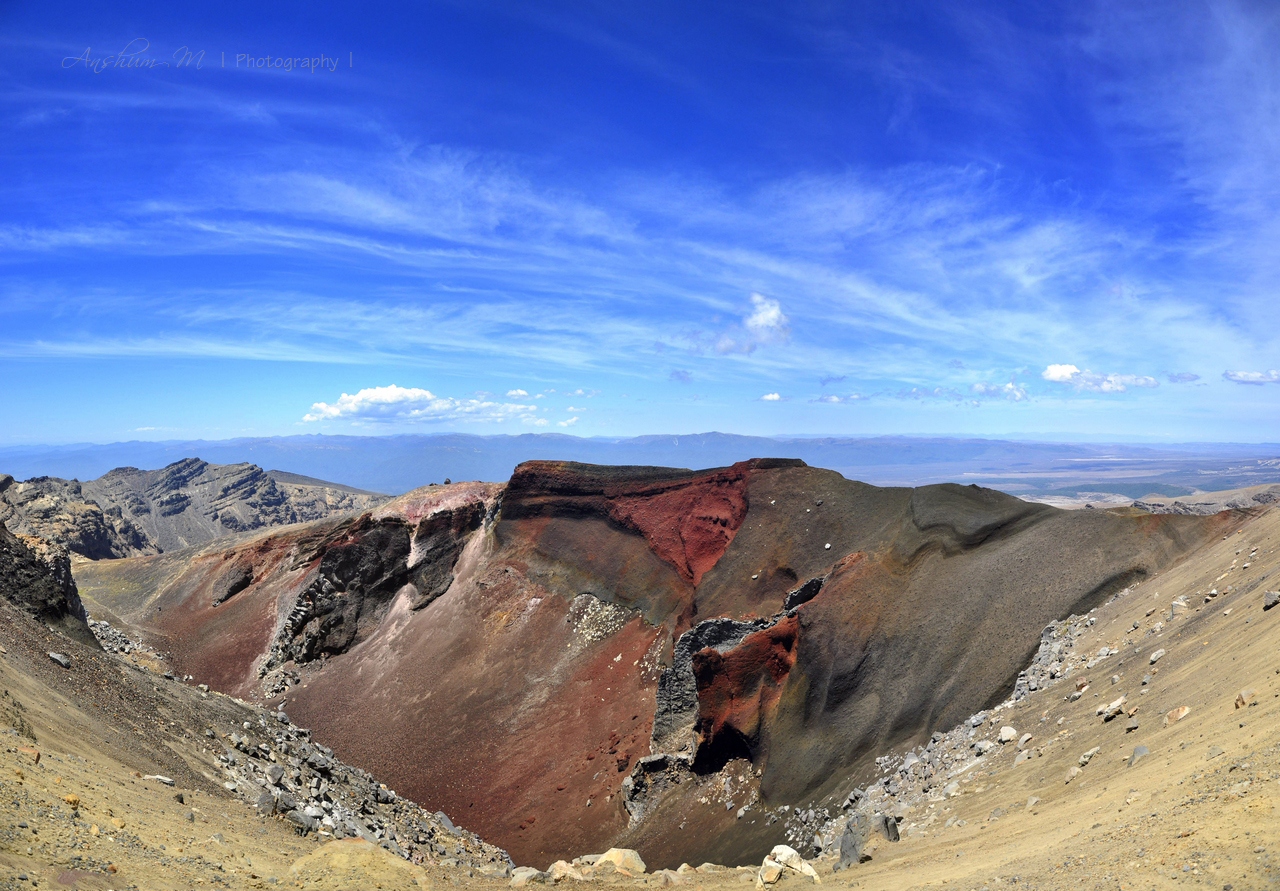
pixel 37 579
pixel 129 512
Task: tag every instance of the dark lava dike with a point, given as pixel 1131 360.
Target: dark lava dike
pixel 649 657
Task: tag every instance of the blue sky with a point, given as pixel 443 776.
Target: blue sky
pixel 616 219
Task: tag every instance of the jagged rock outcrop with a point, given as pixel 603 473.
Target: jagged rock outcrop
pixel 35 576
pixel 1207 503
pixel 594 656
pixel 130 512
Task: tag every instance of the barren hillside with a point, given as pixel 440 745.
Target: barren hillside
pixel 520 654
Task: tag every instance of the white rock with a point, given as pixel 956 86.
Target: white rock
pixel 791 859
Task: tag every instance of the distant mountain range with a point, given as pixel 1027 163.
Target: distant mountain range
pixel 396 464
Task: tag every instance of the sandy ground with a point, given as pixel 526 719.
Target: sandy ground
pixel 1199 810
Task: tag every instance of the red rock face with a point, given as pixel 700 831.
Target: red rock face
pixel 687 519
pixel 689 526
pixel 738 692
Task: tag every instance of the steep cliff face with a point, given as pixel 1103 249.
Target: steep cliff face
pixel 588 655
pixel 35 576
pixel 129 512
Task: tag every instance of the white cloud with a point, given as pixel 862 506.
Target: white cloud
pixel 393 403
pixel 540 396
pixel 1096 383
pixel 517 394
pixel 568 423
pixel 1010 391
pixel 572 409
pixel 766 323
pixel 766 319
pixel 1252 377
pixel 587 393
pixel 1060 373
pixel 770 397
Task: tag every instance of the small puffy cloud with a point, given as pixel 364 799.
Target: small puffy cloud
pixel 1010 391
pixel 829 397
pixel 771 397
pixel 535 422
pixel 766 323
pixel 1061 374
pixel 680 376
pixel 1182 377
pixel 568 423
pixel 587 393
pixel 540 396
pixel 766 319
pixel 1252 377
pixel 1093 382
pixel 517 394
pixel 572 409
pixel 393 403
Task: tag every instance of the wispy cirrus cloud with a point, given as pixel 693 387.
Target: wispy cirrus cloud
pixel 1252 377
pixel 1011 391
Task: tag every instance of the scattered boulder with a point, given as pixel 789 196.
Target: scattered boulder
pixel 1175 715
pixel 526 875
pixel 1139 752
pixel 1112 709
pixel 1008 734
pixel 61 659
pixel 851 843
pixel 1245 697
pixel 1155 657
pixel 1270 599
pixel 784 857
pixel 885 825
pixel 624 859
pixel 770 872
pixel 562 869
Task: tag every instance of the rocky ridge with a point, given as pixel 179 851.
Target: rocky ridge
pixel 643 657
pixel 1206 503
pixel 130 512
